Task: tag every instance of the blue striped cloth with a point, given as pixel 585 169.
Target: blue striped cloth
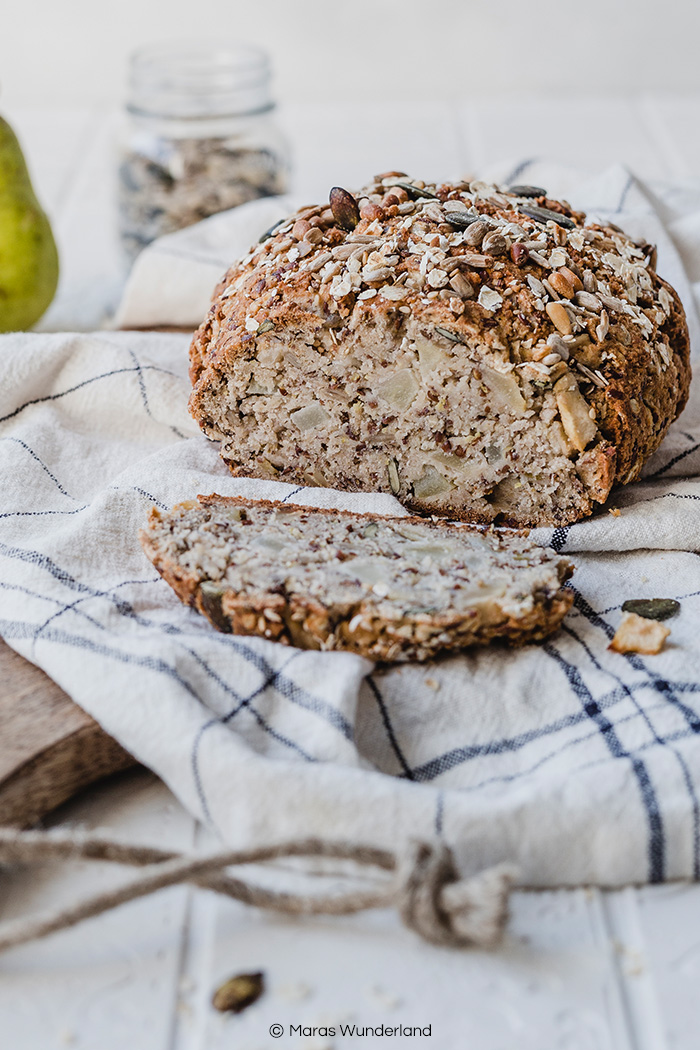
pixel 578 764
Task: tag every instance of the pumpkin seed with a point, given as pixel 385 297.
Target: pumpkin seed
pixel 210 595
pixel 527 191
pixel 272 230
pixel 652 608
pixel 394 480
pixel 345 208
pixel 545 215
pixel 460 219
pixel 415 191
pixel 239 992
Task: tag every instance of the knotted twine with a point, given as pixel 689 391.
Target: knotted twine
pixel 426 889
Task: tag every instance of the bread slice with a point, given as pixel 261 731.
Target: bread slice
pixel 386 588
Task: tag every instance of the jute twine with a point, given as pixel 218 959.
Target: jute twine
pixel 426 888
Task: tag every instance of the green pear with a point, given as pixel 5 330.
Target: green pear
pixel 28 256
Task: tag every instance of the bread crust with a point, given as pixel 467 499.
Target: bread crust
pixel 304 621
pixel 628 355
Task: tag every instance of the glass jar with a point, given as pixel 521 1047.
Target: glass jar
pixel 200 138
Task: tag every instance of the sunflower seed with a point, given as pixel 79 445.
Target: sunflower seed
pixel 472 259
pixel 343 251
pixel 462 286
pixel 266 326
pixel 527 191
pixel 589 301
pixel 590 374
pixel 546 215
pixel 612 302
pixel 540 259
pixel 319 262
pixel 447 334
pixel 603 328
pixel 557 344
pixel 371 274
pixel 344 207
pixel 536 286
pixel 652 608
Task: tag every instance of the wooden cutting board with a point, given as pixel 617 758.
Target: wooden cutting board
pixel 49 747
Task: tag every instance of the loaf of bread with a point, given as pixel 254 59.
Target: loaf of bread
pixel 484 354
pixel 386 588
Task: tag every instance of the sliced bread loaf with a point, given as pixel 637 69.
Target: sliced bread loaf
pixel 485 355
pixel 387 588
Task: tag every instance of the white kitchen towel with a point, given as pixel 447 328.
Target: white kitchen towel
pixel 578 764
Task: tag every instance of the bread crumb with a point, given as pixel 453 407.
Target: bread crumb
pixel 615 511
pixel 432 684
pixel 636 634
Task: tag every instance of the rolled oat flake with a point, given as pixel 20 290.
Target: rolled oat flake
pixel 200 138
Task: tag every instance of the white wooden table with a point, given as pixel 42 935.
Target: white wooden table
pixel 580 970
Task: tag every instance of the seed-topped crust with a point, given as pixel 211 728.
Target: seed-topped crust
pixel 386 588
pixel 482 353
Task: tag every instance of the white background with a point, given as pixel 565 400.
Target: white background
pixel 73 52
